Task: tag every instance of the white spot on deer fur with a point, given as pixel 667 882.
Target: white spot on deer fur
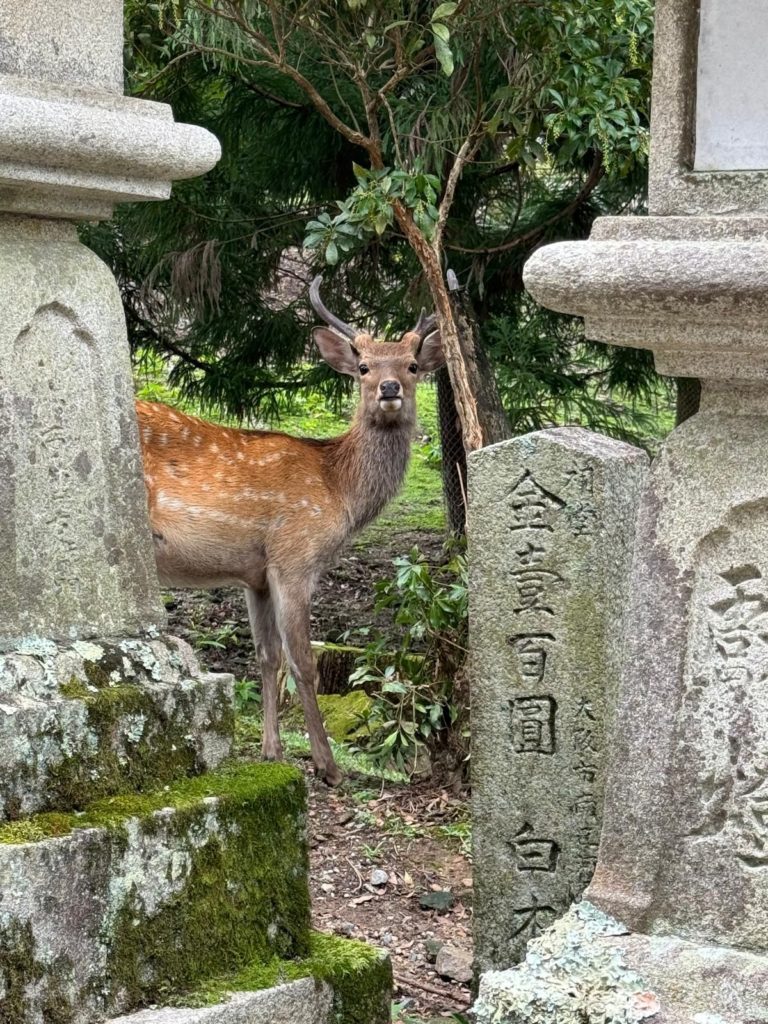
pixel 149 480
pixel 215 448
pixel 163 438
pixel 146 434
pixel 197 441
pixel 241 455
pixel 205 487
pixel 185 433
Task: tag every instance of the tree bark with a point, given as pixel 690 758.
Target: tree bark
pixel 688 398
pixel 474 388
pixel 454 467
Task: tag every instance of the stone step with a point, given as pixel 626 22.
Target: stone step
pixel 111 909
pixel 341 982
pixel 83 720
pixel 299 1002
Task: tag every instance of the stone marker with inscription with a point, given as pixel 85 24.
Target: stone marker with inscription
pixel 550 527
pixel 674 926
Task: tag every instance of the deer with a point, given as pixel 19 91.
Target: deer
pixel 270 512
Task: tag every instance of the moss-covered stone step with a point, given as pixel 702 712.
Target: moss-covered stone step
pixel 340 982
pixel 83 720
pixel 141 896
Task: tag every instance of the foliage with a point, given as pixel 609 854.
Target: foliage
pixel 550 99
pixel 419 702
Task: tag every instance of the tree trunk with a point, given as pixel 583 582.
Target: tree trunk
pixel 454 469
pixel 688 398
pixel 474 386
pixel 490 412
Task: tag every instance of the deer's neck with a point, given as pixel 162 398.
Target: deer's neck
pixel 369 462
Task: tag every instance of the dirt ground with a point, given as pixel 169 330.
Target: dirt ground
pixel 389 863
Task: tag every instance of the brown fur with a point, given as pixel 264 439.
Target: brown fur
pixel 270 512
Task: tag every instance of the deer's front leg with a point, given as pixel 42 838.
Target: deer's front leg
pixel 291 604
pixel 268 645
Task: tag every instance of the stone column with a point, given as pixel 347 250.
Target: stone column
pixel 80 612
pixel 674 926
pixel 550 525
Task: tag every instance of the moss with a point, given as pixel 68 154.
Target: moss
pixel 232 783
pixel 245 895
pixel 343 715
pixel 117 762
pixel 238 893
pixel 360 976
pixel 23 992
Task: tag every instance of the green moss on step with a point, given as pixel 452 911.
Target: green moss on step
pixel 154 748
pixel 360 976
pixel 234 891
pixel 245 897
pixel 233 783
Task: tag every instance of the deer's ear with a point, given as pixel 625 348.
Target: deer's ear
pixel 430 353
pixel 338 352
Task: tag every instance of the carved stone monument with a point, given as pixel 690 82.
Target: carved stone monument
pixel 550 526
pixel 674 926
pixel 127 876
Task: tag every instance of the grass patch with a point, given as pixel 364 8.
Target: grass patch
pixel 296 744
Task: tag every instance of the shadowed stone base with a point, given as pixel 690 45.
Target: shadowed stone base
pixel 588 969
pixel 88 719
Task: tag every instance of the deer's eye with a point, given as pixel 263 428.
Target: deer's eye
pixel 414 368
pixel 363 368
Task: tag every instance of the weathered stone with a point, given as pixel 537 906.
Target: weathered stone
pixel 300 1002
pixel 587 969
pixel 455 963
pixel 71 145
pixel 141 895
pixel 550 528
pixel 685 840
pixel 77 553
pixel 84 720
pixel 683 181
pixel 683 859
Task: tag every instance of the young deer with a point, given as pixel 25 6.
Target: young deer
pixel 270 512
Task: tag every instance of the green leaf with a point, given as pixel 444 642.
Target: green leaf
pixel 331 254
pixel 444 11
pixel 444 56
pixel 441 31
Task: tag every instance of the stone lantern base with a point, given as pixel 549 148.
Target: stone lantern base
pixel 589 968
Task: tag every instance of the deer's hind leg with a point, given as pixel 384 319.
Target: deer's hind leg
pixel 266 638
pixel 291 599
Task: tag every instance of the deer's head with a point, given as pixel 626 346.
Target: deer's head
pixel 387 371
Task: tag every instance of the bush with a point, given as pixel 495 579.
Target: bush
pixel 419 689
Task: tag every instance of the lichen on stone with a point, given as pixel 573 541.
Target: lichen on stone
pixel 569 976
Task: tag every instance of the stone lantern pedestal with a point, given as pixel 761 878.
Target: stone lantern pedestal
pixel 128 876
pixel 674 925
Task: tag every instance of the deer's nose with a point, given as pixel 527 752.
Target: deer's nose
pixel 389 388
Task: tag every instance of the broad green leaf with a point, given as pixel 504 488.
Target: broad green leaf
pixel 444 11
pixel 444 56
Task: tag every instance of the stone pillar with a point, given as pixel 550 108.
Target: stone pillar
pixel 80 612
pixel 550 528
pixel 674 926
